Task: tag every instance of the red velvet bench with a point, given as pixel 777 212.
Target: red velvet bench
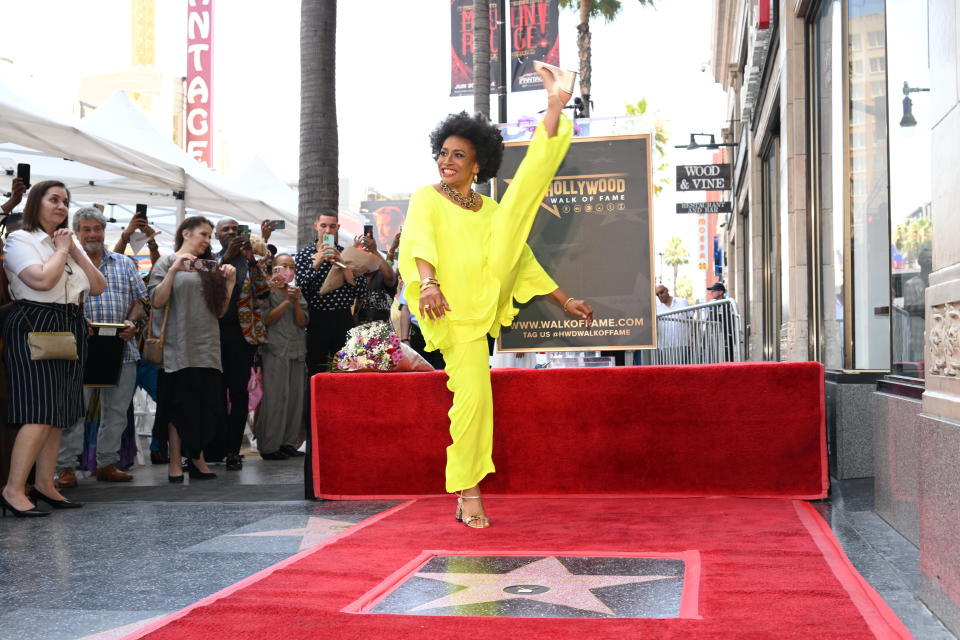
pixel 743 429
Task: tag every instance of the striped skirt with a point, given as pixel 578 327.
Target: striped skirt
pixel 44 391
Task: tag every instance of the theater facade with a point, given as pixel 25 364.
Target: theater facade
pixel 843 245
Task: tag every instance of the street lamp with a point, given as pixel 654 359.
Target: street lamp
pixel 713 144
pixel 908 120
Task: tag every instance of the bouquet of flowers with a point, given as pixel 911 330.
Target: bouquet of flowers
pixel 376 347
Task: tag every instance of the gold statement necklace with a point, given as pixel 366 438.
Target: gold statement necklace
pixel 467 202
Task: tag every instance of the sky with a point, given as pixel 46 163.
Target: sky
pixel 393 77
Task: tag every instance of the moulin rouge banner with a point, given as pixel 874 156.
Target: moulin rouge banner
pixel 534 35
pixel 594 236
pixel 461 51
pixel 200 80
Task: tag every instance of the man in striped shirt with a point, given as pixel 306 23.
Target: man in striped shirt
pixel 118 304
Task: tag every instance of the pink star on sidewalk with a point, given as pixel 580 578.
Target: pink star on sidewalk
pixel 544 580
pixel 316 530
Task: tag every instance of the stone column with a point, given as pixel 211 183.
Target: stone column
pixel 939 435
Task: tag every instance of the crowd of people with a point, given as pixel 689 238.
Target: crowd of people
pixel 199 332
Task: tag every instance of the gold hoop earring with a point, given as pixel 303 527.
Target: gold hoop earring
pixel 475 178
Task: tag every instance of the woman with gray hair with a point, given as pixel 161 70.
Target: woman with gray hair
pixel 50 276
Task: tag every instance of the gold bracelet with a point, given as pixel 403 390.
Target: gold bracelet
pixel 426 282
pixel 564 306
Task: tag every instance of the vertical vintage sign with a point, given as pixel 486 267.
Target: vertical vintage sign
pixel 199 96
pixel 594 236
pixel 461 49
pixel 534 35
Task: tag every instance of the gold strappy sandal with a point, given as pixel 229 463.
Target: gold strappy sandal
pixel 474 521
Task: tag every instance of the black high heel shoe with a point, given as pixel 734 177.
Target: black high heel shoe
pixel 175 479
pixel 196 474
pixel 24 513
pixel 36 496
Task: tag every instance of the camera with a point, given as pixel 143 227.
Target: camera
pixel 202 264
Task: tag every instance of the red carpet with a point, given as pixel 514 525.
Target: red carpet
pixel 744 429
pixel 767 569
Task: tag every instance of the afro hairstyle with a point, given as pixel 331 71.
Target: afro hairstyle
pixel 482 134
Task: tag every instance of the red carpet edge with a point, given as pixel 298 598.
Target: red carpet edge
pixel 879 617
pixel 260 575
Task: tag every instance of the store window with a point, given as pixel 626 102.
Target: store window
pixel 910 222
pixel 827 94
pixel 775 276
pixel 869 199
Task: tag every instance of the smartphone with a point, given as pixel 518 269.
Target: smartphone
pixel 201 264
pixel 243 230
pixel 141 211
pixel 23 172
pixel 368 230
pixel 329 239
pixel 278 224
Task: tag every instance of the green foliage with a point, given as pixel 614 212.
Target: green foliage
pixel 637 109
pixel 911 236
pixel 684 289
pixel 606 8
pixel 675 255
pixel 660 139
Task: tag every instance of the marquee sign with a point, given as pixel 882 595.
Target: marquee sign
pixel 199 96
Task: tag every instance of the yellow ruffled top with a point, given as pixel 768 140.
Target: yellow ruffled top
pixel 457 242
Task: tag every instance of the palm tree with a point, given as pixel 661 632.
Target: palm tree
pixel 591 9
pixel 660 139
pixel 675 255
pixel 481 57
pixel 481 66
pixel 319 168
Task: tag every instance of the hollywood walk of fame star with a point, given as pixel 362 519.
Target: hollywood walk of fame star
pixel 314 531
pixel 545 580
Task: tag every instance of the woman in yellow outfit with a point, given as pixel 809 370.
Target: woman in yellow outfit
pixel 465 259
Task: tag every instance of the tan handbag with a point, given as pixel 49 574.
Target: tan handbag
pixel 51 345
pixel 153 347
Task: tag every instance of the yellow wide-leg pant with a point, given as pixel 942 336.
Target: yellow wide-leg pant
pixel 470 457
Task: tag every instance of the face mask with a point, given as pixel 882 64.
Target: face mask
pixel 284 274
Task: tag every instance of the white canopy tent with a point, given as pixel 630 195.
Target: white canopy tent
pixel 126 161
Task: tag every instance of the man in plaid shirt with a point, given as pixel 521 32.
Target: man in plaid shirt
pixel 118 304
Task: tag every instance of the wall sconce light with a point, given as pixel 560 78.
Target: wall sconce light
pixel 908 120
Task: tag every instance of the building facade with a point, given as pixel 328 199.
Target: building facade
pixel 843 245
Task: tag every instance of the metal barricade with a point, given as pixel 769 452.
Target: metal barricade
pixel 699 334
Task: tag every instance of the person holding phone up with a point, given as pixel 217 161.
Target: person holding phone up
pixel 284 365
pixel 381 284
pixel 241 332
pixel 330 314
pixel 192 301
